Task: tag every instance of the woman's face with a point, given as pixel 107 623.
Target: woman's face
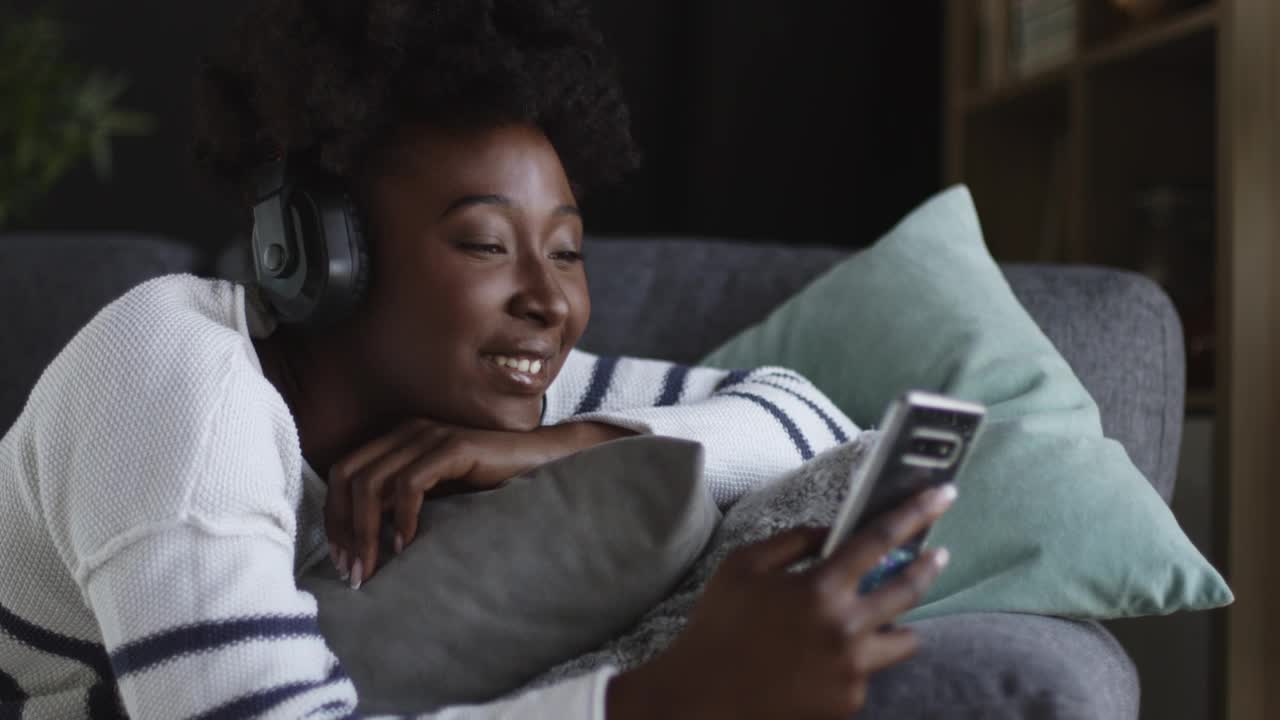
pixel 477 290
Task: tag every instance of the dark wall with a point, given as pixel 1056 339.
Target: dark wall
pixel 798 122
pixel 814 122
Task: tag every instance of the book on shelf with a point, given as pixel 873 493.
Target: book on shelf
pixel 1042 34
pixel 1019 38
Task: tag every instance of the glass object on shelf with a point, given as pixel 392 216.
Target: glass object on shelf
pixel 1175 231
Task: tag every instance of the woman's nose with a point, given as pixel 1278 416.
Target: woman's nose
pixel 539 297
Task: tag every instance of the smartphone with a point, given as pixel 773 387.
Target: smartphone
pixel 926 439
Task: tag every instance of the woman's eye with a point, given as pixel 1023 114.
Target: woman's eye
pixel 568 256
pixel 486 248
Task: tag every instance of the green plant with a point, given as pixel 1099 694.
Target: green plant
pixel 53 112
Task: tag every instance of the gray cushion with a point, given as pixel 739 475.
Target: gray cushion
pixel 679 298
pixel 51 285
pixel 987 666
pixel 503 584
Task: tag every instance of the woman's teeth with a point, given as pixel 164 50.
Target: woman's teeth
pixel 533 367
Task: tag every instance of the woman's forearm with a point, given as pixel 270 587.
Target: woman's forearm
pixel 569 438
pixel 754 425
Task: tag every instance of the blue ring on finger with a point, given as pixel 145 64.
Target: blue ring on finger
pixel 890 565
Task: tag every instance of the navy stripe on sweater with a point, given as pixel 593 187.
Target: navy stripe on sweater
pixel 783 374
pixel 104 702
pixel 10 692
pixel 673 385
pixel 601 379
pixel 48 641
pixel 262 702
pixel 734 377
pixel 331 706
pixel 839 434
pixel 793 431
pixel 212 635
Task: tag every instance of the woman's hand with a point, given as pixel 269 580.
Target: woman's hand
pixel 767 643
pixel 396 471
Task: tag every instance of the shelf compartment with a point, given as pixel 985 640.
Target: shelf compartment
pixel 1016 161
pixel 1016 90
pixel 1150 179
pixel 1201 401
pixel 1157 34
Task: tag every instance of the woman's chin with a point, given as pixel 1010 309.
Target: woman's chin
pixel 509 415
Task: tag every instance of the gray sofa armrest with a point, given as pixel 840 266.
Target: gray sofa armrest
pixel 1122 336
pixel 1006 665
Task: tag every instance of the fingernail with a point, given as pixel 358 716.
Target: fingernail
pixel 942 557
pixel 399 543
pixel 333 556
pixel 943 496
pixel 344 570
pixel 357 574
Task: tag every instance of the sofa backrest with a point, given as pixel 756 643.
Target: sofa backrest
pixel 679 298
pixel 669 297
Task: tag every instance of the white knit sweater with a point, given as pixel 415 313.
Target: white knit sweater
pixel 155 509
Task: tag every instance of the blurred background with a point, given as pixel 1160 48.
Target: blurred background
pixel 1138 134
pixel 798 124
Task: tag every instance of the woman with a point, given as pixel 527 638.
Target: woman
pixel 163 486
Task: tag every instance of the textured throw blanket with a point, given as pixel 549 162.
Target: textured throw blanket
pixel 810 495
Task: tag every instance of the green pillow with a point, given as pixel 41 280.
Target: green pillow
pixel 1053 517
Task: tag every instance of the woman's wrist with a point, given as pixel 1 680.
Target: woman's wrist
pixel 641 694
pixel 569 438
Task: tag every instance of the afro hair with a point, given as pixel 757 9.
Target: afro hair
pixel 328 82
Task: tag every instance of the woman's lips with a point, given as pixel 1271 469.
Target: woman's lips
pixel 523 374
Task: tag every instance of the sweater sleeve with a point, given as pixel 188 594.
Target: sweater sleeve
pixel 755 425
pixel 184 550
pixel 204 624
pixel 200 623
pixel 179 528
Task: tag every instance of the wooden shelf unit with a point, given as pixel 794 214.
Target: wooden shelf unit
pixel 1203 19
pixel 1057 161
pixel 1201 402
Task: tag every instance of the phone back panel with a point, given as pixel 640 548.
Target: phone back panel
pixel 914 459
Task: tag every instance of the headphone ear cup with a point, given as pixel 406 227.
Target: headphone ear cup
pixel 330 272
pixel 359 255
pixel 340 273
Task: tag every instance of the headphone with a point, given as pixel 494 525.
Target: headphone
pixel 310 258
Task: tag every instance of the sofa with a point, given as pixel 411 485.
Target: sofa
pixel 677 298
